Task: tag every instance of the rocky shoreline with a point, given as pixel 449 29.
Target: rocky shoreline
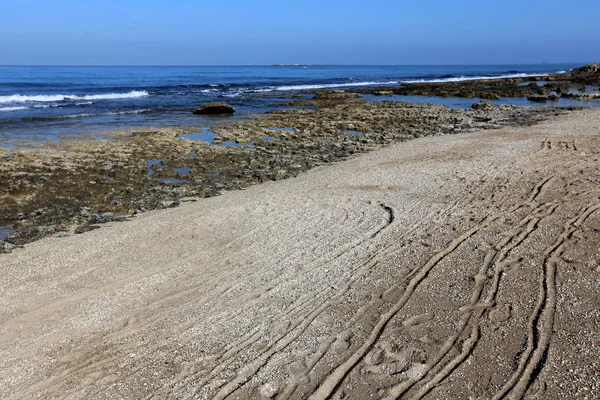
pixel 574 84
pixel 81 182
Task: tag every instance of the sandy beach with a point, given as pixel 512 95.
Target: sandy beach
pixel 446 267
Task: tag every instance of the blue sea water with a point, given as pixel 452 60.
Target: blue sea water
pixel 49 101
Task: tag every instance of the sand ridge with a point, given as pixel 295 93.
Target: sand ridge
pixel 454 266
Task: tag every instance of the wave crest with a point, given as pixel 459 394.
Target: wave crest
pixel 83 115
pixel 328 85
pixel 472 78
pixel 18 98
pixel 5 109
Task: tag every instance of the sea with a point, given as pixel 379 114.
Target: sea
pixel 44 102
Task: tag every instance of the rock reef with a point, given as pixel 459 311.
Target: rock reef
pixel 587 75
pixel 492 89
pixel 82 182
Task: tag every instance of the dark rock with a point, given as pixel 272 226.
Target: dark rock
pixel 6 247
pixel 485 89
pixel 335 95
pixel 559 87
pixel 483 105
pixel 102 218
pixel 214 109
pixel 543 98
pixel 32 233
pixel 588 69
pixel 537 98
pixel 85 227
pixel 588 74
pixel 383 93
pixel 582 96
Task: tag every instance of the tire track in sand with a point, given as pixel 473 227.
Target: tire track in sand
pixel 541 320
pixel 332 381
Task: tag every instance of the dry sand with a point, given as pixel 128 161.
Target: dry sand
pixel 448 267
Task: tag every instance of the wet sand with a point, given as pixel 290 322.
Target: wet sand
pixel 453 266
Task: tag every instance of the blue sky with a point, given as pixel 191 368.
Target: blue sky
pixel 251 32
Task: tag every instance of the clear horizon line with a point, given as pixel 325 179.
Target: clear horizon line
pixel 279 65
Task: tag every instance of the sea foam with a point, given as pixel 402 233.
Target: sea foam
pixel 472 78
pixel 17 108
pixel 328 85
pixel 39 106
pixel 5 109
pixel 83 115
pixel 18 98
pixel 424 80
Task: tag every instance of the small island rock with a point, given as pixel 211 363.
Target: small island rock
pixel 215 109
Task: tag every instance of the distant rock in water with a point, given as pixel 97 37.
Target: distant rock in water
pixel 214 109
pixel 543 98
pixel 383 93
pixel 582 96
pixel 335 95
pixel 588 69
pixel 483 105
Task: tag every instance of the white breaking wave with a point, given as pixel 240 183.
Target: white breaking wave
pixel 330 85
pixel 18 98
pixel 13 108
pixel 473 78
pixel 239 92
pixel 17 108
pixel 434 80
pixel 129 95
pixel 83 115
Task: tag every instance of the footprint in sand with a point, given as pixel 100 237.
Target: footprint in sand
pixel 500 313
pixel 417 320
pixel 388 358
pixel 271 389
pixel 342 342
